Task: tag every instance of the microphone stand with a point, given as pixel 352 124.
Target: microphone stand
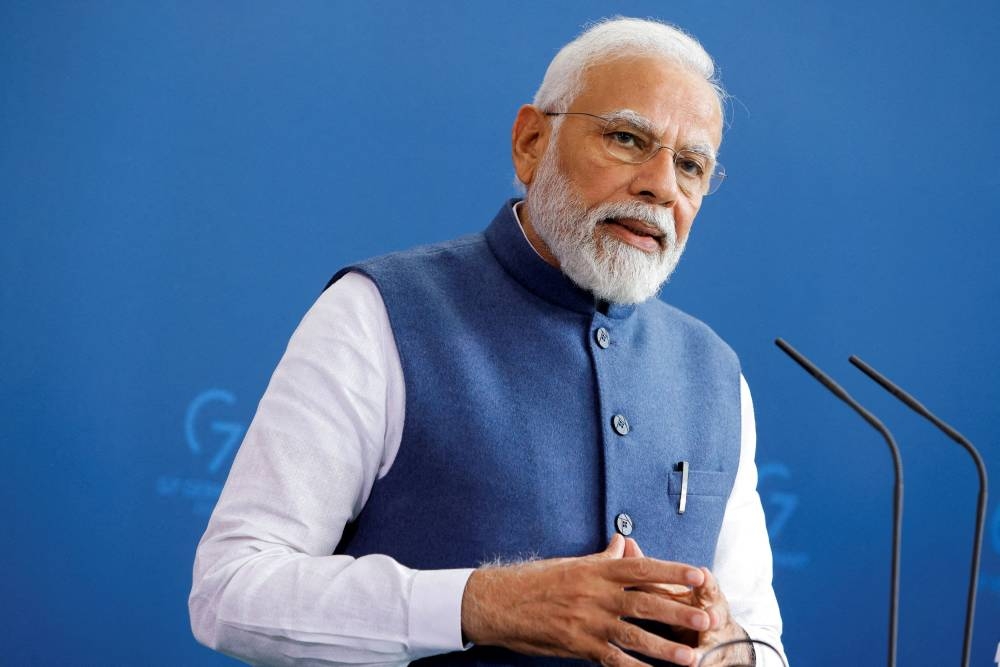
pixel 897 499
pixel 977 540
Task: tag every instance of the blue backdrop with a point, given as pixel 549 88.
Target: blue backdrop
pixel 180 179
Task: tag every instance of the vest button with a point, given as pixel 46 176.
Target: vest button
pixel 603 338
pixel 623 522
pixel 620 424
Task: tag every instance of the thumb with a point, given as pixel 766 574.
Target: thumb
pixel 615 548
pixel 632 549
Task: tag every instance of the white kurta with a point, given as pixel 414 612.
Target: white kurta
pixel 266 587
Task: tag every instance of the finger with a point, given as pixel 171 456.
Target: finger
pixel 636 571
pixel 673 591
pixel 610 655
pixel 651 607
pixel 615 548
pixel 632 549
pixel 633 638
pixel 710 598
pixel 708 593
pixel 710 587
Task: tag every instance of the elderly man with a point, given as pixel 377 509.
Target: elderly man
pixel 503 449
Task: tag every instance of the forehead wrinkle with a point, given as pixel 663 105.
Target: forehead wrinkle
pixel 645 125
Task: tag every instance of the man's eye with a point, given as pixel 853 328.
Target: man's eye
pixel 627 139
pixel 690 166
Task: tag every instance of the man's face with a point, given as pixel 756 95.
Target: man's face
pixel 618 229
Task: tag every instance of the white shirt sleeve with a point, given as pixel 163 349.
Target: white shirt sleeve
pixel 266 587
pixel 743 564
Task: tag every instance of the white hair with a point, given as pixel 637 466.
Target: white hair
pixel 615 38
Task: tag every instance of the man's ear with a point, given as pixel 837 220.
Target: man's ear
pixel 529 140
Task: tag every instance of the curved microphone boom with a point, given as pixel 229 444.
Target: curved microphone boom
pixel 897 498
pixel 977 540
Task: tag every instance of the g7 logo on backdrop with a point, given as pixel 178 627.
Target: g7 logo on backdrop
pixel 211 441
pixel 229 432
pixel 780 507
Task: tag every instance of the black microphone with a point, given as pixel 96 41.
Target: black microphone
pixel 897 499
pixel 977 540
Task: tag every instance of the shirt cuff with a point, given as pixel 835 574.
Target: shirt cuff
pixel 436 611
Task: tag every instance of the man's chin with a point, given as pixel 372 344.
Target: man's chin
pixel 622 287
pixel 633 276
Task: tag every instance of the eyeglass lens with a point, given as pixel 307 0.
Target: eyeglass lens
pixel 626 142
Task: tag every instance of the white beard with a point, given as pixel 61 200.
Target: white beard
pixel 609 268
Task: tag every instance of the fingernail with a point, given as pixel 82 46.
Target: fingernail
pixel 694 576
pixel 683 655
pixel 700 622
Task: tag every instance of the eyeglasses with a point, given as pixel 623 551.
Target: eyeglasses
pixel 742 653
pixel 629 138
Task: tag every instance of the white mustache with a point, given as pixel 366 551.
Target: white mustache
pixel 661 218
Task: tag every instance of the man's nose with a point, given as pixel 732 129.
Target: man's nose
pixel 656 179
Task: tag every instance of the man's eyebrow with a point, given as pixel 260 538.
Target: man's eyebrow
pixel 701 149
pixel 646 125
pixel 633 117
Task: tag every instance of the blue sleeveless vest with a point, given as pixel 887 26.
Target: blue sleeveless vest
pixel 537 425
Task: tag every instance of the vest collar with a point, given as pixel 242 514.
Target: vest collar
pixel 515 254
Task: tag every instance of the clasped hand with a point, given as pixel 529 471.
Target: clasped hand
pixel 575 607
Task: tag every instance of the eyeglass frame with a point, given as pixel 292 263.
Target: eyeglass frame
pixel 716 177
pixel 751 643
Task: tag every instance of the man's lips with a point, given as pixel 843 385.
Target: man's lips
pixel 636 233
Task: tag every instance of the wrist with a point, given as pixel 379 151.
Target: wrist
pixel 477 613
pixel 751 656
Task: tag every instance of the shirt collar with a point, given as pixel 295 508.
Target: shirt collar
pixel 509 243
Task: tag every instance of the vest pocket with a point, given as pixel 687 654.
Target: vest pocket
pixel 701 483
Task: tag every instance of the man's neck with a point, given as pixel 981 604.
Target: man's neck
pixel 531 236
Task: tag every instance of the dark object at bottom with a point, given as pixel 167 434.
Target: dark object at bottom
pixel 481 656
